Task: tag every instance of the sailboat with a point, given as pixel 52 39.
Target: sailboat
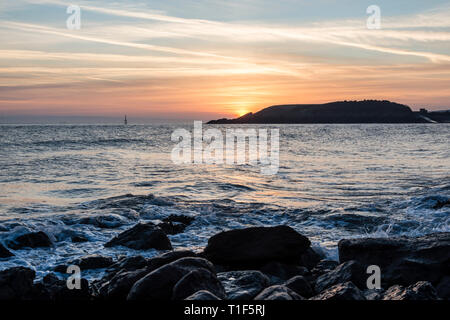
pixel 125 121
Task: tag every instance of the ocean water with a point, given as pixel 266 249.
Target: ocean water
pixel 334 182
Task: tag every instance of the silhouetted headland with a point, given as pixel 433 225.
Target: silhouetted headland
pixel 367 111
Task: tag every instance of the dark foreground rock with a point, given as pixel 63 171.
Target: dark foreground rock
pixel 403 260
pixel 142 236
pixel 341 291
pixel 30 240
pixel 159 284
pixel 278 292
pixel 256 246
pixel 5 253
pixel 16 283
pixel 203 295
pixel 195 281
pixel 349 271
pixel 301 286
pixel 422 290
pixel 54 289
pixel 243 285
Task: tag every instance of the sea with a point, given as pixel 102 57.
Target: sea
pixel 334 181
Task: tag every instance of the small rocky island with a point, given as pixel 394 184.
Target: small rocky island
pixel 366 111
pixel 256 263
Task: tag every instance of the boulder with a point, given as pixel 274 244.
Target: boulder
pixel 301 286
pixel 348 271
pixel 203 295
pixel 402 260
pixel 30 240
pixel 243 285
pixel 54 289
pixel 374 294
pixel 443 288
pixel 129 263
pixel 196 280
pixel 93 261
pixel 280 272
pixel 16 283
pixel 256 246
pixel 278 292
pixel 119 284
pixel 142 236
pixel 158 284
pixel 172 228
pixel 422 290
pixel 324 266
pixel 341 291
pixel 5 253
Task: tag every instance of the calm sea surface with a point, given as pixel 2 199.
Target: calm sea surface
pixel 334 181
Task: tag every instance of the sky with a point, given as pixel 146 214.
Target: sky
pixel 207 59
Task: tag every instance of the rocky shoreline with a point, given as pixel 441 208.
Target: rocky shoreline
pixel 257 263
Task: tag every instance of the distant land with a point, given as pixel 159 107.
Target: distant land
pixel 366 111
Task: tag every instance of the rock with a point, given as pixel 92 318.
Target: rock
pixel 79 239
pixel 129 263
pixel 373 294
pixel 158 284
pixel 93 261
pixel 186 220
pixel 16 283
pixel 310 258
pixel 110 221
pixel 422 290
pixel 402 260
pixel 169 257
pixel 341 291
pixel 5 253
pixel 196 280
pixel 301 286
pixel 280 272
pixel 278 292
pixel 443 288
pixel 172 228
pixel 203 295
pixel 142 237
pixel 348 271
pixel 256 246
pixel 52 288
pixel 243 285
pixel 30 240
pixel 324 266
pixel 119 284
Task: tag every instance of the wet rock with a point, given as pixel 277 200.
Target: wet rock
pixel 243 285
pixel 158 284
pixel 5 253
pixel 203 295
pixel 186 220
pixel 341 291
pixel 30 240
pixel 402 260
pixel 110 221
pixel 54 289
pixel 443 288
pixel 16 283
pixel 278 292
pixel 169 257
pixel 172 228
pixel 93 261
pixel 142 237
pixel 373 294
pixel 348 271
pixel 129 263
pixel 119 284
pixel 79 239
pixel 280 272
pixel 310 258
pixel 324 266
pixel 422 290
pixel 256 246
pixel 301 286
pixel 196 280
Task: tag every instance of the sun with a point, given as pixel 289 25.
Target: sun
pixel 242 112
